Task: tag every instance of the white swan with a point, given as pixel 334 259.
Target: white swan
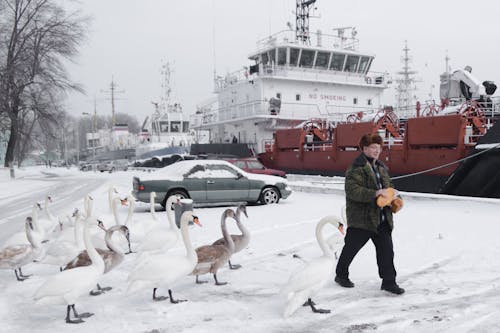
pixel 16 256
pixel 113 256
pixel 61 250
pixel 67 286
pixel 158 270
pixel 49 223
pixel 212 257
pixel 240 241
pixel 160 238
pixel 312 276
pixel 37 233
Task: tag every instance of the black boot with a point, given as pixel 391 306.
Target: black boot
pixel 344 282
pixel 392 287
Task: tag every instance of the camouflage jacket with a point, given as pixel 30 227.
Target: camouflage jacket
pixel 360 187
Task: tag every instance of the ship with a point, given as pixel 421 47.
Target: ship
pixel 292 75
pixel 166 131
pixel 451 148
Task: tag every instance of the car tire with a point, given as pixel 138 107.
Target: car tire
pixel 180 193
pixel 269 195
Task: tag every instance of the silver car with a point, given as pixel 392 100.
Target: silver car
pixel 210 182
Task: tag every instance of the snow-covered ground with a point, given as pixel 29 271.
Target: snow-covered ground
pixel 446 249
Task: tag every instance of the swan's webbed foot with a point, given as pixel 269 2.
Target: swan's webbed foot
pixel 232 266
pixel 313 308
pixel 306 303
pixel 200 282
pixel 158 298
pixel 129 251
pixel 22 275
pixel 19 277
pixel 217 283
pixel 103 289
pixel 78 317
pixel 175 301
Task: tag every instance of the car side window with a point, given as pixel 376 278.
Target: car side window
pixel 221 171
pixel 255 165
pixel 198 171
pixel 240 164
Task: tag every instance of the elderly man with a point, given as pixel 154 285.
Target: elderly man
pixel 367 179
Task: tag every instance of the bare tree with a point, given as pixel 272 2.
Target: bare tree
pixel 36 36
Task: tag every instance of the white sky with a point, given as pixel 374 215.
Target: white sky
pixel 130 38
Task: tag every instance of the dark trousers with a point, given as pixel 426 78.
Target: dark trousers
pixel 355 239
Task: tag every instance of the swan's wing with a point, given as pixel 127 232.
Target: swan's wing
pixel 158 239
pixel 12 254
pixel 81 278
pixel 315 272
pixel 222 241
pixel 211 253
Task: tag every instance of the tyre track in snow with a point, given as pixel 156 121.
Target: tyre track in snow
pixel 65 192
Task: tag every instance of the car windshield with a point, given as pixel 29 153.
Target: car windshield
pixel 255 165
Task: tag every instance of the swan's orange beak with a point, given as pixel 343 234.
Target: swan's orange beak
pixel 341 229
pixel 196 221
pixel 123 202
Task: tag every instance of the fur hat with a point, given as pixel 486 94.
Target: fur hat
pixel 369 139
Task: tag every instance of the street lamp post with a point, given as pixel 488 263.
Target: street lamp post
pixel 94 128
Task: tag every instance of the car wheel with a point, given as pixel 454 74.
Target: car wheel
pixel 180 193
pixel 269 195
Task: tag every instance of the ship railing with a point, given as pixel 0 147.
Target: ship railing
pixel 316 39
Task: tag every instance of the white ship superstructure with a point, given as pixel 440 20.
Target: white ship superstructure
pixel 168 126
pixel 294 76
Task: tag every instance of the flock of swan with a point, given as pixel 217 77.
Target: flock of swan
pixel 84 248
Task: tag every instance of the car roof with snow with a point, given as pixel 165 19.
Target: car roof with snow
pixel 177 170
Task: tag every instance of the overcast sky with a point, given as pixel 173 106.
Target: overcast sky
pixel 129 39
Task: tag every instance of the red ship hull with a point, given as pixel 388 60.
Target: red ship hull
pixel 424 151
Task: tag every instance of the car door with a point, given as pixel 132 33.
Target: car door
pixel 225 184
pixel 195 183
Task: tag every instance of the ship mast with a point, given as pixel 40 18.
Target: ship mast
pixel 302 21
pixel 406 88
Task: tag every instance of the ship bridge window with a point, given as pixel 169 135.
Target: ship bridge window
pixel 175 126
pixel 363 65
pixel 352 63
pixel 307 58
pixel 164 126
pixel 294 56
pixel 322 60
pixel 337 63
pixel 265 58
pixel 281 56
pixel 185 126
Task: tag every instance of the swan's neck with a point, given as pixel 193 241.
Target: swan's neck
pixel 34 241
pixel 225 233
pixel 152 207
pixel 190 252
pixel 115 210
pixel 34 216
pixel 109 239
pixel 89 205
pixel 327 251
pixel 241 226
pixel 94 256
pixel 110 198
pixel 130 211
pixel 168 210
pixel 78 231
pixel 47 211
